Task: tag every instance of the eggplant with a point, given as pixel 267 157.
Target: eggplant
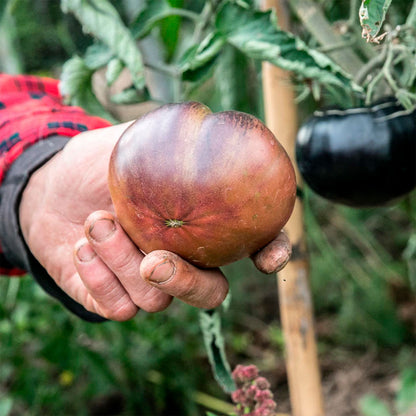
pixel 360 157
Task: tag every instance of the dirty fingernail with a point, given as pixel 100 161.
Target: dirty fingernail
pixel 85 253
pixel 162 272
pixel 102 229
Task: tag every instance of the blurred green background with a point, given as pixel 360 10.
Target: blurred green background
pixel 362 271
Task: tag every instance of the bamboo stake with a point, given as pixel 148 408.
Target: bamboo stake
pixel 293 285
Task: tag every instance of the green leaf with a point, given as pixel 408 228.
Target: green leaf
pixel 199 55
pixel 149 17
pixel 256 34
pixel 101 19
pixel 3 5
pixel 372 406
pixel 114 68
pixel 170 29
pixel 97 55
pixel 406 397
pixel 153 13
pixel 372 14
pixel 210 323
pixel 76 87
pixel 131 96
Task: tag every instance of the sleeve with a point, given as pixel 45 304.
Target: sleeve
pixel 34 125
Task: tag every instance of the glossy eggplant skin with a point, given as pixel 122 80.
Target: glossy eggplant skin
pixel 360 157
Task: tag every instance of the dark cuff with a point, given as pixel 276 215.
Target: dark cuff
pixel 12 242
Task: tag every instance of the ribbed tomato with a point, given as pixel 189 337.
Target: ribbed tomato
pixel 211 187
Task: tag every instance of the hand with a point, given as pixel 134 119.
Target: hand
pixel 68 222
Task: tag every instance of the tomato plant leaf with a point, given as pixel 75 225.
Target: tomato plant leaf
pixel 372 14
pixel 131 96
pixel 199 55
pixel 153 13
pixel 114 68
pixel 147 19
pixel 97 55
pixel 170 29
pixel 200 74
pixel 3 5
pixel 76 88
pixel 210 323
pixel 257 35
pixel 101 19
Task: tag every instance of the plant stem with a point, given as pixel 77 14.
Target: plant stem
pixel 370 66
pixel 314 20
pixel 203 20
pixel 411 18
pixel 170 70
pixel 353 13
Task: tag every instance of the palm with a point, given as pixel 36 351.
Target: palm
pixel 77 187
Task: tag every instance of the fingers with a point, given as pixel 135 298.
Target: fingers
pixel 118 279
pixel 173 275
pixel 101 291
pixel 109 266
pixel 274 256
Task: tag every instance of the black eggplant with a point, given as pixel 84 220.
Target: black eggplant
pixel 359 157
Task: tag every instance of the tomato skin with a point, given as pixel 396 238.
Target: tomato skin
pixel 359 157
pixel 213 188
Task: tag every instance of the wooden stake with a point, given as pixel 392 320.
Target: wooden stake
pixel 293 284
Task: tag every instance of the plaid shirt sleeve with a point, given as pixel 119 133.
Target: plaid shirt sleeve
pixel 31 109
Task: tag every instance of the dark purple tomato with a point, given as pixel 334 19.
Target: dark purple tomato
pixel 211 187
pixel 361 156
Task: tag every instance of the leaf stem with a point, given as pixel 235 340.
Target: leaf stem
pixel 189 14
pixel 203 19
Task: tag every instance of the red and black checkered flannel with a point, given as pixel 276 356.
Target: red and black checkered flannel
pixel 31 109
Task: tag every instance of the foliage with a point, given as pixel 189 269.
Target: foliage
pixel 254 33
pixel 372 15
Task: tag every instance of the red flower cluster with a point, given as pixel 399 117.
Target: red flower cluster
pixel 253 396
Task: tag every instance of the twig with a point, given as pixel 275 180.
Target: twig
pixel 370 66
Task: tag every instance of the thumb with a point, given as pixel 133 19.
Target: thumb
pixel 173 275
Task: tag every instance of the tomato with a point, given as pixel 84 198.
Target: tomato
pixel 360 156
pixel 211 187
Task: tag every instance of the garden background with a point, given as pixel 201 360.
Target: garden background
pixel 362 261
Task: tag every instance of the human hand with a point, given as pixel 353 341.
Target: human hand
pixel 68 222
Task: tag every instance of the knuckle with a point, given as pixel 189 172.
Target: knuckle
pixel 154 302
pixel 125 262
pixel 120 313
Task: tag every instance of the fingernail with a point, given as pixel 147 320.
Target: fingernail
pixel 163 272
pixel 85 253
pixel 101 229
pixel 282 264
